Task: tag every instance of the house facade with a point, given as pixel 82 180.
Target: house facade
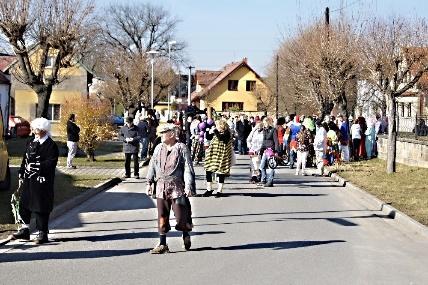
pixel 76 82
pixel 235 88
pixel 411 106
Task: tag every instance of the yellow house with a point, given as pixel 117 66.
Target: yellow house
pixel 76 81
pixel 235 88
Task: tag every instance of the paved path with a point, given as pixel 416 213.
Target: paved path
pixel 305 230
pixel 113 172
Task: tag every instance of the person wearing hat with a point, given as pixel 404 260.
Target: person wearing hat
pixel 171 170
pixel 36 177
pixel 130 135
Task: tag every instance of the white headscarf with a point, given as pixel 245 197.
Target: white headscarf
pixel 41 124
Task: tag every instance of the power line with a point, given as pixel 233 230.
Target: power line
pixel 347 6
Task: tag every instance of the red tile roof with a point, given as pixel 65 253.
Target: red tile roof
pixel 205 77
pixel 418 56
pixel 5 61
pixel 227 70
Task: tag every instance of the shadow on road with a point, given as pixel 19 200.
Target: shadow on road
pixel 270 245
pixel 269 195
pixel 127 236
pixel 18 257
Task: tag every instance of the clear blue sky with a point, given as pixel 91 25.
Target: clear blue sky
pixel 220 31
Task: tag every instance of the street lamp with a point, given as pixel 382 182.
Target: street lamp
pixel 170 44
pixel 152 55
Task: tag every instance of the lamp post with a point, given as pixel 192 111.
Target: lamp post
pixel 170 44
pixel 152 54
pixel 189 85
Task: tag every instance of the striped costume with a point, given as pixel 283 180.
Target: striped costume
pixel 218 157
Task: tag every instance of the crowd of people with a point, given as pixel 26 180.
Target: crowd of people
pixel 189 139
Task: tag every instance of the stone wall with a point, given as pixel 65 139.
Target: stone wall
pixel 409 151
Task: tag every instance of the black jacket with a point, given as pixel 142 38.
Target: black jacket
pixel 72 132
pixel 243 129
pixel 132 132
pixel 38 188
pixel 270 139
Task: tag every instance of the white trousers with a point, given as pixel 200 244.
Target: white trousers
pixel 344 150
pixel 301 161
pixel 72 150
pixel 320 162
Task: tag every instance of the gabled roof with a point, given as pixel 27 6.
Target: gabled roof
pixel 5 61
pixel 418 54
pixel 205 77
pixel 227 70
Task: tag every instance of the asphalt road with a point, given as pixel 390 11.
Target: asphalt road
pixel 305 230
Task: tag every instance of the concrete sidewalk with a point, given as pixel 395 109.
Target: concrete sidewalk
pixel 305 230
pixel 82 170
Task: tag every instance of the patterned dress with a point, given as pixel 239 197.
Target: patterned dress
pixel 218 158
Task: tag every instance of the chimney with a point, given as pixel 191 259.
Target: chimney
pixel 245 60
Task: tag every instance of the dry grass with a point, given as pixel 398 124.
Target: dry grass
pixel 406 190
pixel 108 155
pixel 66 187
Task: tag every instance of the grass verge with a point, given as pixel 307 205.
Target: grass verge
pixel 108 155
pixel 66 187
pixel 406 190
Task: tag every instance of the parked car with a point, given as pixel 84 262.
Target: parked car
pixel 4 159
pixel 19 127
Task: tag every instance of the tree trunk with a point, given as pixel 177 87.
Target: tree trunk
pixel 90 155
pixel 326 109
pixel 43 96
pixel 342 105
pixel 392 134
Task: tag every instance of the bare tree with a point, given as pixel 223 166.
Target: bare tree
pixel 265 98
pixel 42 29
pixel 395 56
pixel 319 64
pixel 130 31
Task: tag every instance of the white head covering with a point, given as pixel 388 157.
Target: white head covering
pixel 167 127
pixel 41 124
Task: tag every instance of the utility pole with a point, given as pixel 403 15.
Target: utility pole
pixel 327 16
pixel 189 85
pixel 186 123
pixel 327 22
pixel 277 86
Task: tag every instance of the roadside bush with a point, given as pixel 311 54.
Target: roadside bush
pixel 93 118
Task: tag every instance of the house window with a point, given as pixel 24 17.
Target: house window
pixel 232 106
pixel 232 85
pixel 409 110
pixel 54 112
pixel 402 109
pixel 50 61
pixel 251 85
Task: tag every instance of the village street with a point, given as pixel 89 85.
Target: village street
pixel 305 230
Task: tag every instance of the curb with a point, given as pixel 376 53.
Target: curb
pixel 69 205
pixel 368 199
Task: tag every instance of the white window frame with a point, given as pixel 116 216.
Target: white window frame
pixel 50 60
pixel 52 109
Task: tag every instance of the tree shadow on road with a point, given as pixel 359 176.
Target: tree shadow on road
pixel 127 236
pixel 17 257
pixel 269 195
pixel 271 245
